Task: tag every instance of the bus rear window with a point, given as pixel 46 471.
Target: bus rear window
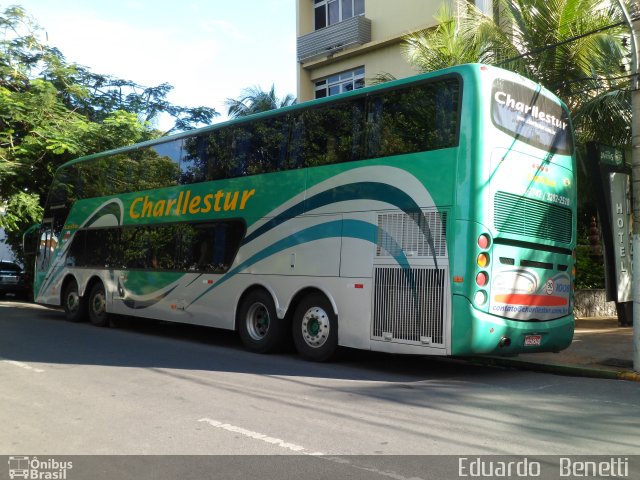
pixel 531 117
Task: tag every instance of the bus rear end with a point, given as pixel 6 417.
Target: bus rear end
pixel 520 226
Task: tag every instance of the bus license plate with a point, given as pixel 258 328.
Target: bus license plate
pixel 532 340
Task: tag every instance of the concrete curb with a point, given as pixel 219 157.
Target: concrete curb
pixel 567 370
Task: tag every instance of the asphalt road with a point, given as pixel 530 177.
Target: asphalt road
pixel 161 389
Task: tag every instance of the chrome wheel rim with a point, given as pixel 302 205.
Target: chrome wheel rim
pixel 98 304
pixel 315 327
pixel 258 321
pixel 73 301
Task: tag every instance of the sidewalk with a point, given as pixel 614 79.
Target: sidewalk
pixel 600 349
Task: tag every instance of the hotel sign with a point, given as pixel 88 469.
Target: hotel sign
pixel 621 225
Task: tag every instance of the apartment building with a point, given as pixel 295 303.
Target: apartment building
pixel 343 44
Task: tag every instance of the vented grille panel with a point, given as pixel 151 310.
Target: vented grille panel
pixel 533 218
pixel 409 305
pixel 410 233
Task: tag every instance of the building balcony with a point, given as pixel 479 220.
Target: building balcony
pixel 351 32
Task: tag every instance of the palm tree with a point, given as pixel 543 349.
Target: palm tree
pixel 452 42
pixel 575 48
pixel 255 100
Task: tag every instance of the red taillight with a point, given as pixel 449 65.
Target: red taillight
pixel 484 241
pixel 482 279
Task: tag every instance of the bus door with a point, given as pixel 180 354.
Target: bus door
pixel 46 248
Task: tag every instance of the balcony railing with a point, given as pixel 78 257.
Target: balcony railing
pixel 336 37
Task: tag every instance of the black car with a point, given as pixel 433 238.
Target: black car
pixel 13 279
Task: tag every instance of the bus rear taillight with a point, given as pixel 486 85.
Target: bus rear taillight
pixel 483 260
pixel 484 241
pixel 482 279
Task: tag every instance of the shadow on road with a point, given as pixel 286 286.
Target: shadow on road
pixel 30 333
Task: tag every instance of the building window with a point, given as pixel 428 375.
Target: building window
pixel 329 12
pixel 340 83
pixel 485 6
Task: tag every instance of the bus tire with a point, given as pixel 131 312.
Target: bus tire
pixel 315 328
pixel 75 307
pixel 260 329
pixel 97 306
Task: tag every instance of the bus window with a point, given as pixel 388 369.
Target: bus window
pixel 77 251
pixel 30 241
pixel 209 247
pixel 48 243
pixel 218 151
pixel 194 162
pixel 158 166
pixel 135 248
pixel 333 134
pixel 161 245
pixel 413 119
pixel 242 149
pixel 269 145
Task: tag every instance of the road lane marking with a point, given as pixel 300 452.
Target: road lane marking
pixel 22 365
pixel 259 436
pixel 300 449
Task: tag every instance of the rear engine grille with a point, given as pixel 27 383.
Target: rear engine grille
pixel 410 232
pixel 532 218
pixel 409 305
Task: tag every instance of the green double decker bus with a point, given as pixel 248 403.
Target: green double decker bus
pixel 433 215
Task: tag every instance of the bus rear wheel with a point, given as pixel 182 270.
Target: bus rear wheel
pixel 75 308
pixel 315 328
pixel 260 329
pixel 97 304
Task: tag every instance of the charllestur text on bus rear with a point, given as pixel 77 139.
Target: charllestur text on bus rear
pixel 505 99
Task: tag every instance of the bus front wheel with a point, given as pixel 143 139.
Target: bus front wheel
pixel 260 329
pixel 75 308
pixel 98 315
pixel 315 328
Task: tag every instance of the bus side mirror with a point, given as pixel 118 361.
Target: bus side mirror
pixel 31 241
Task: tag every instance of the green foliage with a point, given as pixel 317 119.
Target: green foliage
pixel 22 210
pixel 256 100
pixel 589 268
pixel 447 44
pixel 52 111
pixel 589 271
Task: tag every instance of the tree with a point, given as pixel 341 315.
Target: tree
pixel 52 112
pixel 451 42
pixel 575 48
pixel 255 100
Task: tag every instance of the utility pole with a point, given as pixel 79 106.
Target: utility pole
pixel 633 21
pixel 635 183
